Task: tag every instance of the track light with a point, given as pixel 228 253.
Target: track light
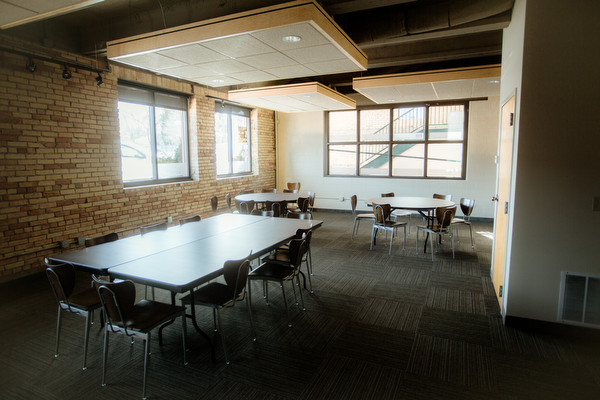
pixel 66 73
pixel 31 67
pixel 99 80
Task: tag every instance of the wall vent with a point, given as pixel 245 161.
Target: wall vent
pixel 579 299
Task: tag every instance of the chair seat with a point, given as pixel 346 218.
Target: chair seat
pixel 213 294
pixel 365 216
pixel 272 270
pixel 148 314
pixel 86 300
pixel 392 224
pixel 460 221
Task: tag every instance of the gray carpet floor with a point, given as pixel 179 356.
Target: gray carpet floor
pixel 378 326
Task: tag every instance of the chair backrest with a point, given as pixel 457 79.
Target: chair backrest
pixel 235 273
pixel 194 218
pixel 382 212
pixel 311 199
pixel 444 216
pixel 214 203
pixel 304 234
pixel 109 237
pixel 299 215
pixel 246 207
pixel 162 226
pixel 279 208
pixel 228 200
pixel 118 300
pixel 298 247
pixel 466 206
pixel 442 196
pixel 353 203
pixel 264 213
pixel 268 190
pixel 62 281
pixel 391 194
pixel 293 185
pixel 289 191
pixel 303 203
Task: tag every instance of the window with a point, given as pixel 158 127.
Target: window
pixel 414 141
pixel 154 139
pixel 232 137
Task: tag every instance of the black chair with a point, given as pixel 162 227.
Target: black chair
pixel 442 196
pixel 281 273
pixel 109 237
pixel 193 218
pixel 358 217
pixel 219 296
pixel 161 226
pixel 246 207
pixel 279 208
pixel 263 213
pixel 444 217
pixel 123 315
pixel 228 201
pixel 282 255
pixel 62 281
pixel 298 215
pixel 382 222
pixel 214 203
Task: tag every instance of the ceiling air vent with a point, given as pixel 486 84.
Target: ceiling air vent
pixel 580 299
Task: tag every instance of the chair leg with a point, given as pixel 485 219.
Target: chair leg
pixel 287 312
pixel 220 328
pixel 391 240
pixel 105 354
pixel 248 304
pixel 373 233
pixel 309 273
pixel 404 242
pixel 88 318
pixel 431 241
pixel 452 243
pixel 300 290
pixel 184 337
pixel 146 356
pixel 58 320
pixel 215 324
pixel 355 226
pixel 471 232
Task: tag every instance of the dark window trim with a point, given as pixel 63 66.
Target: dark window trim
pixel 154 89
pixel 425 142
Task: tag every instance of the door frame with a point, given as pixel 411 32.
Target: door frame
pixel 509 217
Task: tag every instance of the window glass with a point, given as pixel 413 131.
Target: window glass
pixel 153 131
pixel 408 160
pixel 409 123
pixel 374 159
pixel 342 159
pixel 375 125
pixel 420 141
pixel 232 140
pixel 342 126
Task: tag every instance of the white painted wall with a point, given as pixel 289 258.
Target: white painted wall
pixel 300 146
pixel 556 176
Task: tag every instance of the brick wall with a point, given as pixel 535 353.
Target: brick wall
pixel 60 175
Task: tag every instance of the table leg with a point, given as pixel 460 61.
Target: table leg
pixel 200 331
pixel 163 326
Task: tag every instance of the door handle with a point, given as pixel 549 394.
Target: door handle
pixel 495 198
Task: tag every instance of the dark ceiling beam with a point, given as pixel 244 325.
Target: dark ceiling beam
pixel 334 7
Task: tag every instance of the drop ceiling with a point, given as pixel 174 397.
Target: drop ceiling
pixel 458 83
pixel 290 40
pixel 311 96
pixel 17 12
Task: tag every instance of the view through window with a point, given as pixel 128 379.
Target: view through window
pixel 232 137
pixel 416 141
pixel 154 140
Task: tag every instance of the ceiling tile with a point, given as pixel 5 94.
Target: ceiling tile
pixel 309 35
pixel 218 81
pixel 268 60
pixel 153 61
pixel 305 55
pixel 253 76
pixel 238 46
pixel 461 89
pixel 225 67
pixel 290 72
pixel 193 54
pixel 331 67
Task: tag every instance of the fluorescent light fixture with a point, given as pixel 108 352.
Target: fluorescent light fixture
pixel 301 97
pixel 246 47
pixel 456 83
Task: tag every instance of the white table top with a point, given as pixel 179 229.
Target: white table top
pixel 263 197
pixel 185 256
pixel 411 203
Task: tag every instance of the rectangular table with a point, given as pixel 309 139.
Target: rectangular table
pixel 183 257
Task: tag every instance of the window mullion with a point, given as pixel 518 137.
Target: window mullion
pixel 153 143
pixel 426 150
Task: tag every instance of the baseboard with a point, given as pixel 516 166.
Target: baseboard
pixel 554 328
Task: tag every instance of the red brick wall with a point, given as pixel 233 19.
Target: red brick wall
pixel 60 174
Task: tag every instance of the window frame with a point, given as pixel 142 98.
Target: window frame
pixel 153 133
pixel 247 113
pixel 390 142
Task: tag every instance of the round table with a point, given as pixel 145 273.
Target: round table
pixel 424 205
pixel 264 197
